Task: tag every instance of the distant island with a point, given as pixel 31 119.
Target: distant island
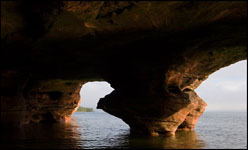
pixel 85 109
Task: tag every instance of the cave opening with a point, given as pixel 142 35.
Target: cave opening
pixel 225 89
pixel 91 92
pixel 90 120
pixel 155 54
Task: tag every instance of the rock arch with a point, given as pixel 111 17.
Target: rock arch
pixel 154 54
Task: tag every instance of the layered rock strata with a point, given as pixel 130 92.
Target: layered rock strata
pixel 36 101
pixel 154 54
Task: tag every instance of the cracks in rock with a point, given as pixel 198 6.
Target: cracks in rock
pixel 117 11
pixel 110 9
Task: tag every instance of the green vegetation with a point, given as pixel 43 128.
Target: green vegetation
pixel 84 109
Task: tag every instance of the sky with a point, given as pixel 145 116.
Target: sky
pixel 91 92
pixel 224 90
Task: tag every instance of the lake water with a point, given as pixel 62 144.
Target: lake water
pixel 96 130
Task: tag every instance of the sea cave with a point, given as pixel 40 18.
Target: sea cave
pixel 154 54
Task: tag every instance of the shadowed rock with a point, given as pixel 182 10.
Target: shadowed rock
pixel 154 54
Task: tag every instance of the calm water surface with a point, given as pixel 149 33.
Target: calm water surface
pixel 89 130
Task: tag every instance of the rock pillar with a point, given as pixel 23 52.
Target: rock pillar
pixel 149 107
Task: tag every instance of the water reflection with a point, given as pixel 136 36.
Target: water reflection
pixel 181 140
pixel 94 132
pixel 44 136
pixel 100 130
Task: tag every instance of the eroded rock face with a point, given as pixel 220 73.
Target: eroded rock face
pixel 154 54
pixel 38 100
pixel 193 116
pixel 151 108
pixel 54 100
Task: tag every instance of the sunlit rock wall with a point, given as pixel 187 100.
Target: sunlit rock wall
pixel 28 100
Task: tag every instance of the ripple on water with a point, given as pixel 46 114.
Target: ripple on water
pixel 101 130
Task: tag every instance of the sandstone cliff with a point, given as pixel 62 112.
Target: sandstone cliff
pixel 154 54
